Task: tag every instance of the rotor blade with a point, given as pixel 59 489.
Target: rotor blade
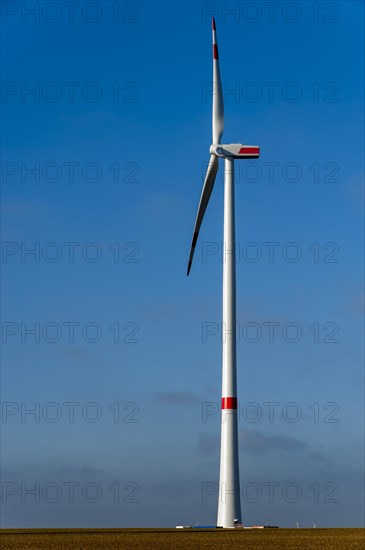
pixel 204 199
pixel 218 108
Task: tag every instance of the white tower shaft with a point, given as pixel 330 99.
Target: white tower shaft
pixel 229 503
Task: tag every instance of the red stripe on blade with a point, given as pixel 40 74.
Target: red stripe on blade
pixel 213 23
pixel 215 51
pixel 249 151
pixel 229 402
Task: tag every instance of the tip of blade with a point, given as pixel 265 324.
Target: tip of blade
pixel 213 24
pixel 188 271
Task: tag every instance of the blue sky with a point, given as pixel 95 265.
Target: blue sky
pixel 118 167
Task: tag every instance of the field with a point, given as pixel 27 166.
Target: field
pixel 260 539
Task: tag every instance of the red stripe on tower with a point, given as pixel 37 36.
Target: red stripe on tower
pixel 229 402
pixel 215 51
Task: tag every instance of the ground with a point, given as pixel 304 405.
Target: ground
pixel 260 539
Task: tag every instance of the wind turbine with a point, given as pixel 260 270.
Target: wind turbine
pixel 229 502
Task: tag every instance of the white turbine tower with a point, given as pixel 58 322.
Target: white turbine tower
pixel 229 503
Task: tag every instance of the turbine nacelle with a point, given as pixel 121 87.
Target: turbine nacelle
pixel 235 150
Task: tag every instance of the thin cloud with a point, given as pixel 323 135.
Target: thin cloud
pixel 80 472
pixel 208 443
pixel 257 443
pixel 319 458
pixel 178 398
pixel 253 442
